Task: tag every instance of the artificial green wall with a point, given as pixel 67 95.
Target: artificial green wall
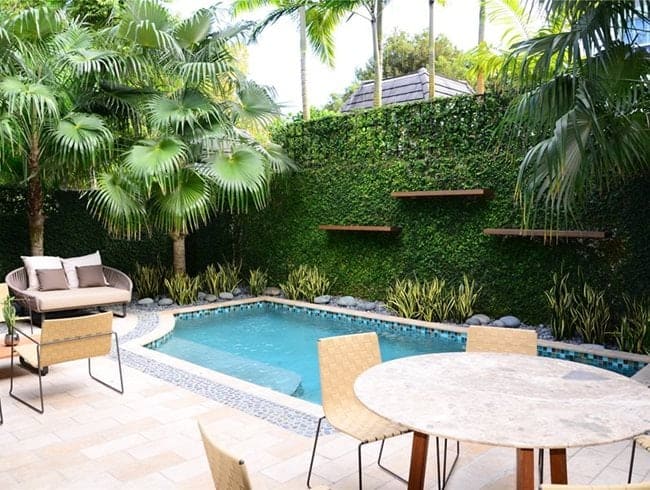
pixel 348 167
pixel 70 230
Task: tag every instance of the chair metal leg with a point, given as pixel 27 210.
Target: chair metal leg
pixel 2 420
pixel 540 464
pixel 119 366
pixel 443 476
pixel 390 472
pixel 629 474
pixel 313 452
pixel 40 384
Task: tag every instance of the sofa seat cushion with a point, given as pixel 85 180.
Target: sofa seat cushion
pixel 69 299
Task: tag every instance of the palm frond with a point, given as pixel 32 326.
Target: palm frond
pixel 194 29
pixel 156 159
pixel 34 24
pixel 30 100
pixel 256 106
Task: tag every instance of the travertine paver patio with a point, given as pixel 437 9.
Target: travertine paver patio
pixel 91 437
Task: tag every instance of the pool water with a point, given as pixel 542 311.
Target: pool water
pixel 276 347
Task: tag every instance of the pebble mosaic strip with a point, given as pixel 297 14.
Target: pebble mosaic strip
pixel 622 366
pixel 285 417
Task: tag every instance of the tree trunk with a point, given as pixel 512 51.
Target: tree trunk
pixel 303 63
pixel 432 51
pixel 480 76
pixel 377 51
pixel 178 256
pixel 35 216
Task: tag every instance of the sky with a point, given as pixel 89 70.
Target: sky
pixel 275 59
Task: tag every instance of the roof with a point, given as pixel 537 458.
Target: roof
pixel 406 88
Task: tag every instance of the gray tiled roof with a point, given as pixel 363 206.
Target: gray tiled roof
pixel 407 88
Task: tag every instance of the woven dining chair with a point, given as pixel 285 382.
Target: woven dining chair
pixel 228 472
pixel 629 486
pixel 63 340
pixel 644 442
pixel 341 360
pixel 509 341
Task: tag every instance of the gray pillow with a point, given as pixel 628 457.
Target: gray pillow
pixel 51 279
pixel 91 276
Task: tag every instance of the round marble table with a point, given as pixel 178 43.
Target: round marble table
pixel 505 400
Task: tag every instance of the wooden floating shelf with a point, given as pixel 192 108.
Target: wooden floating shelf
pixel 374 229
pixel 518 232
pixel 487 193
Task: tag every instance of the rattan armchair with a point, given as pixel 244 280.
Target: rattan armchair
pixel 228 472
pixel 63 340
pixel 629 486
pixel 341 359
pixel 642 441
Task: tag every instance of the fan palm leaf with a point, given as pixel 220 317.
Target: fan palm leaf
pixel 158 159
pixel 193 30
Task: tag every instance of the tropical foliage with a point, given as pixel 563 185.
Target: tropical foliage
pixel 188 104
pixel 583 105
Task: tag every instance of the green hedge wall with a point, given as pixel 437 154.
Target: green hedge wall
pixel 69 231
pixel 349 166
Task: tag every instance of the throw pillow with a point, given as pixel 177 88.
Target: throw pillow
pixel 72 263
pixel 51 279
pixel 91 276
pixel 39 262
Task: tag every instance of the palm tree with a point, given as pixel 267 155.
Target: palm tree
pixel 46 61
pixel 195 158
pixel 480 76
pixel 431 68
pixel 584 90
pixel 315 26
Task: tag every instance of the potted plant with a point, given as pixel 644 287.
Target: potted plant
pixel 9 314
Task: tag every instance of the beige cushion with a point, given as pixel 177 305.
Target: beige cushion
pixel 79 298
pixel 91 276
pixel 39 262
pixel 72 263
pixel 51 279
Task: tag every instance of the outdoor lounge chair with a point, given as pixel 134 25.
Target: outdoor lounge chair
pixel 644 442
pixel 629 486
pixel 228 472
pixel 341 359
pixel 65 340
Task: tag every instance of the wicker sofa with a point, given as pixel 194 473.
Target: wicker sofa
pixel 118 292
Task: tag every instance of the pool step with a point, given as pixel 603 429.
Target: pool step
pixel 260 373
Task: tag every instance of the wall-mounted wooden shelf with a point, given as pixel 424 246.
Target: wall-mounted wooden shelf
pixel 518 232
pixel 363 228
pixel 487 193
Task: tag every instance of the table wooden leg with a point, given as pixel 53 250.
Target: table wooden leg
pixel 525 469
pixel 558 466
pixel 418 461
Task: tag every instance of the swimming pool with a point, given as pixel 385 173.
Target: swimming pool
pixel 274 344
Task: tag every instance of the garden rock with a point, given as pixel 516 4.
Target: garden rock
pixel 366 305
pixel 201 296
pixel 482 319
pixel 226 295
pixel 498 323
pixel 472 320
pixel 166 302
pixel 236 291
pixel 510 321
pixel 346 301
pixel 322 300
pixel 145 301
pixel 272 291
pixel 210 298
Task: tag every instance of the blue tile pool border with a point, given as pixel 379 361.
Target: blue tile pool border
pixel 623 366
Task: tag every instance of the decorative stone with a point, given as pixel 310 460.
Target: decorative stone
pixel 226 295
pixel 210 298
pixel 201 296
pixel 145 301
pixel 482 319
pixel 510 321
pixel 322 300
pixel 236 291
pixel 367 305
pixel 498 323
pixel 272 291
pixel 346 301
pixel 472 320
pixel 166 302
